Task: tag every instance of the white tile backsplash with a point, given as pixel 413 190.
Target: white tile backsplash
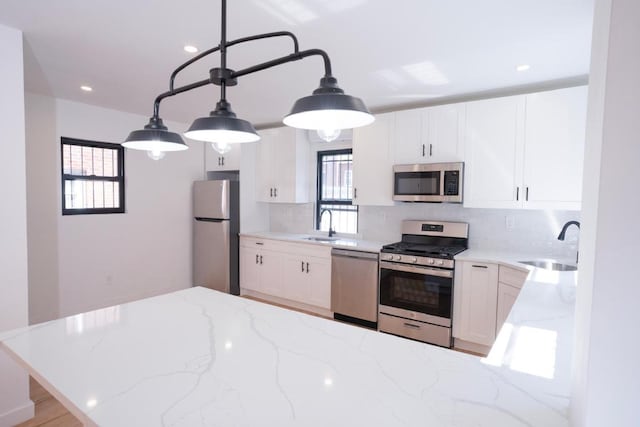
pixel 529 231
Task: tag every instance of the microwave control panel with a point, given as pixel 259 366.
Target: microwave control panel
pixel 451 183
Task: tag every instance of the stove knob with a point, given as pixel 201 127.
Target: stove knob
pixel 398 257
pixel 431 261
pixel 388 257
pixel 440 262
pixel 414 260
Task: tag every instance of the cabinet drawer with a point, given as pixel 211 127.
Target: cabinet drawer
pixel 512 277
pixel 425 332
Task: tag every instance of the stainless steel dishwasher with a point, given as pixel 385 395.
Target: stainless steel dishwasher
pixel 354 286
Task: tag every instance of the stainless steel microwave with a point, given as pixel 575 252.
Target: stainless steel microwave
pixel 428 182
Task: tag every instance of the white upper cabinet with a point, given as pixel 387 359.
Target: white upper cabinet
pixel 493 152
pixel 429 135
pixel 526 151
pixel 373 162
pixel 282 172
pixel 215 161
pixel 554 148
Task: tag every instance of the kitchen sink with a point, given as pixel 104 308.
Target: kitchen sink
pixel 550 265
pixel 321 239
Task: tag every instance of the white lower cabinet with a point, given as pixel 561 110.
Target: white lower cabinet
pixel 477 295
pixel 484 294
pixel 296 272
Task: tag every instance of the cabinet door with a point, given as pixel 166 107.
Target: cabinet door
pixel 493 153
pixel 319 280
pixel 373 162
pixel 295 281
pixel 409 137
pixel 507 296
pixel 264 164
pixel 271 273
pixel 215 161
pixel 445 132
pixel 290 169
pixel 554 148
pixel 476 318
pixel 250 269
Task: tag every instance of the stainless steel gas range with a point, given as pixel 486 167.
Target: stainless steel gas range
pixel 416 281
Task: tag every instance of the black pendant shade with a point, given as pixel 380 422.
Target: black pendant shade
pixel 328 108
pixel 222 125
pixel 155 137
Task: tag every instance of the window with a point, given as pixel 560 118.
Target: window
pixel 335 192
pixel 92 177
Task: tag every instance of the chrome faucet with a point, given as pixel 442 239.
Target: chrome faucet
pixel 331 231
pixel 564 230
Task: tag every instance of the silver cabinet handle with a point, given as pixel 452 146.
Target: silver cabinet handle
pixel 271 192
pixel 307 267
pixel 257 257
pixel 222 159
pixel 275 192
pixel 430 150
pixel 479 266
pixel 526 194
pixel 260 243
pixel 411 325
pixel 517 193
pixel 423 152
pixel 302 266
pixel 260 259
pixel 355 193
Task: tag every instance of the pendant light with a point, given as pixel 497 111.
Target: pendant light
pixel 327 109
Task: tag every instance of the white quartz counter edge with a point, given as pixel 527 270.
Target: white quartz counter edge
pixel 507 259
pixel 340 242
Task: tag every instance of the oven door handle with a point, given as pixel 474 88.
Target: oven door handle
pixel 415 269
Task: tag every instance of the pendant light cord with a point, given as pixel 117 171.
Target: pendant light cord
pixel 223 50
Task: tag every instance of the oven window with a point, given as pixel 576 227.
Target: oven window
pixel 416 292
pixel 417 183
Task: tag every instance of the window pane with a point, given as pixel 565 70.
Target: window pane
pixel 344 218
pixel 81 194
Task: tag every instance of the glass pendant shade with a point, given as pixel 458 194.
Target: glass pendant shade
pixel 155 137
pixel 222 126
pixel 328 108
pixel 329 135
pixel 221 147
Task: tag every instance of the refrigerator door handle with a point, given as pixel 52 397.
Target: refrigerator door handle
pixel 198 218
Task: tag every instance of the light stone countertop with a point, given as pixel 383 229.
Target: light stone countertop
pixel 198 357
pixel 340 242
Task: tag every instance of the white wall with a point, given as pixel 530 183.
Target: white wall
pixel 606 376
pixel 42 207
pixel 110 259
pixel 15 405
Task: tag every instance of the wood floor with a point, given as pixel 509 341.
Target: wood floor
pixel 49 412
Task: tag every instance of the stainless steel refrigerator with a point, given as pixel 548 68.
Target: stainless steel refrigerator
pixel 216 224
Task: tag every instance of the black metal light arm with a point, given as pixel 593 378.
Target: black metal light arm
pixel 172 92
pixel 229 44
pixel 285 59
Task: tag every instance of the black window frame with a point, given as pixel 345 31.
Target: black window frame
pixel 119 178
pixel 320 202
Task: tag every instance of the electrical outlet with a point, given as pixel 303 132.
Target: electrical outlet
pixel 509 222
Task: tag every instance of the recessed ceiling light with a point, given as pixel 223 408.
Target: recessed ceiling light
pixel 190 49
pixel 523 67
pixel 86 88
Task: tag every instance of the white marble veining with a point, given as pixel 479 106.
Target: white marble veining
pixel 340 242
pixel 198 357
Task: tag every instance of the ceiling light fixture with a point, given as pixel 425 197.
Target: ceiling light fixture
pixel 327 108
pixel 86 88
pixel 190 49
pixel 523 67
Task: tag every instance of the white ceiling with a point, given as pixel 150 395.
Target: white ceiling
pixel 389 53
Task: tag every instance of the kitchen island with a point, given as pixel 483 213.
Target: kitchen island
pixel 198 357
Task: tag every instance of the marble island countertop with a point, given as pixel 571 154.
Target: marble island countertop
pixel 198 357
pixel 338 242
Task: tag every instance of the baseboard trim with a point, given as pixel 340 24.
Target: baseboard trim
pixel 18 415
pixel 467 346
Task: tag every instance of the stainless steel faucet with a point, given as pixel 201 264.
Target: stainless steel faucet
pixel 331 231
pixel 564 231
